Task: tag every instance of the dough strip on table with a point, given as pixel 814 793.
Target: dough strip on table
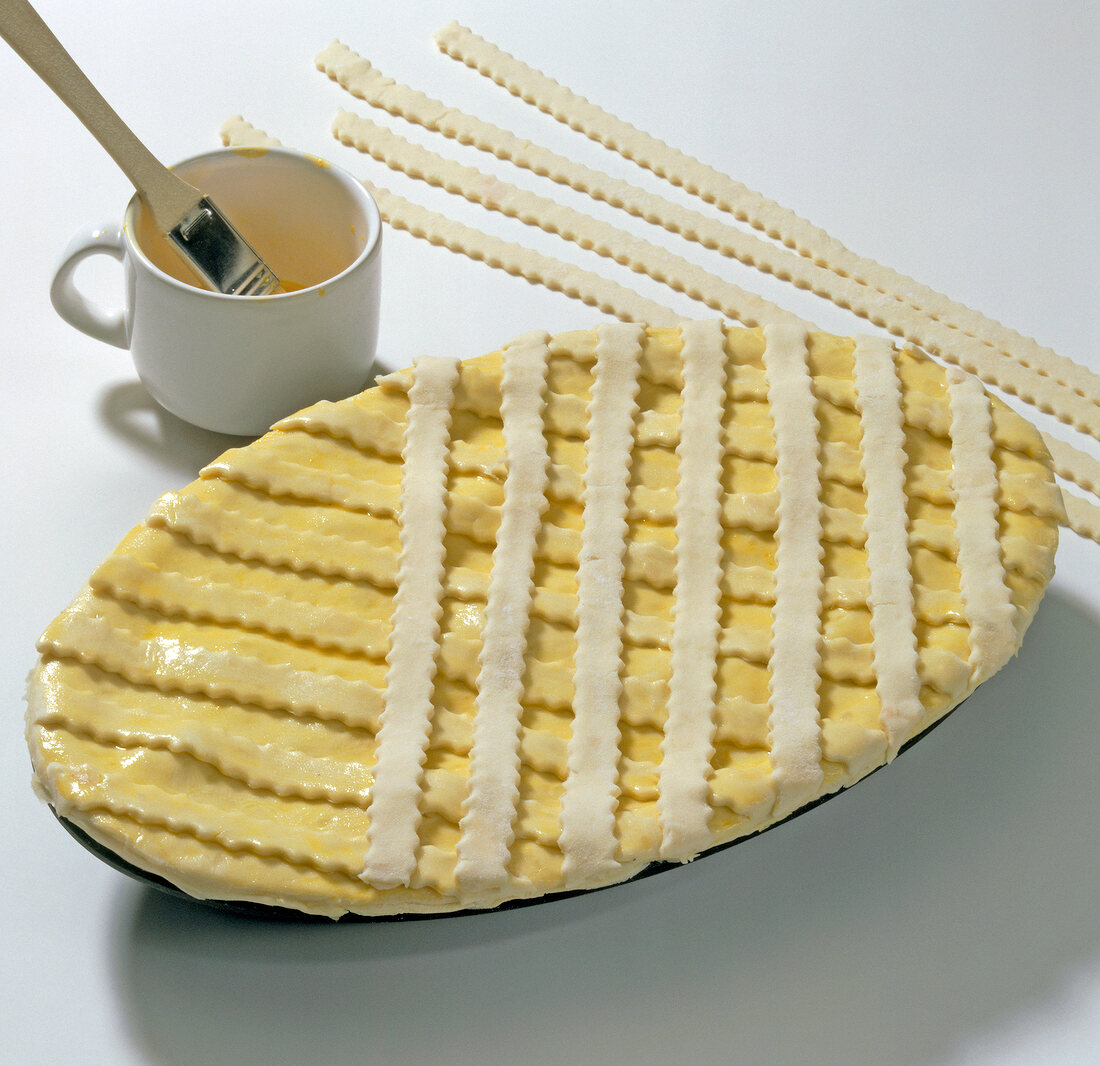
pixel 881 307
pixel 605 240
pixel 776 221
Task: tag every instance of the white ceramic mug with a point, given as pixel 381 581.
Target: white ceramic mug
pixel 236 364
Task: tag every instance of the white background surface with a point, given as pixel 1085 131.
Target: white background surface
pixel 943 912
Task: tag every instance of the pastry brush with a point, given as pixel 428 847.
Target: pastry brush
pixel 206 238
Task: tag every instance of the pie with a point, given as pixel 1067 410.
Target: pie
pixel 531 623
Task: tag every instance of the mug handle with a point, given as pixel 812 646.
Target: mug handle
pixel 71 304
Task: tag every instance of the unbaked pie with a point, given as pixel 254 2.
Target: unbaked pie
pixel 531 623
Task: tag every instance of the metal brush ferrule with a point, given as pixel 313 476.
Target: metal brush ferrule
pixel 218 251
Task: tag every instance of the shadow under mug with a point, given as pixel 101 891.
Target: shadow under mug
pixel 236 364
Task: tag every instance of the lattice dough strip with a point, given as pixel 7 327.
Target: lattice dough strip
pixel 487 832
pixel 406 717
pixel 794 726
pixel 988 600
pixel 893 619
pixel 587 839
pixel 687 748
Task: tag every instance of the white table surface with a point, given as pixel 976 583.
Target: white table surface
pixel 945 911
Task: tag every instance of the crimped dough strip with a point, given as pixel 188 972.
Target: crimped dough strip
pixel 776 221
pixel 609 241
pixel 532 266
pixel 414 643
pixel 935 329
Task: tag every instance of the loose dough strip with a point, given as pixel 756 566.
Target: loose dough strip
pixel 1073 464
pixel 553 274
pixel 776 221
pixel 487 824
pixel 406 717
pixel 538 269
pixel 893 618
pixel 357 76
pixel 687 747
pixel 639 255
pixel 794 725
pixel 986 595
pixel 1082 517
pixel 588 840
pixel 238 133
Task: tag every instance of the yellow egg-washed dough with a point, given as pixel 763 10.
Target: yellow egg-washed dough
pixel 209 706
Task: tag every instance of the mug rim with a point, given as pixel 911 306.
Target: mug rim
pixel 369 250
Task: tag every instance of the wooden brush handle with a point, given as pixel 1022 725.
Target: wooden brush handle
pixel 168 197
